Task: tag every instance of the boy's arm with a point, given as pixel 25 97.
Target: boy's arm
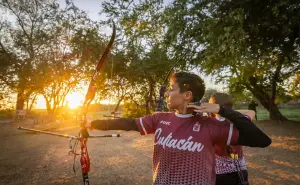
pixel 249 113
pixel 249 133
pixel 114 124
pixel 145 125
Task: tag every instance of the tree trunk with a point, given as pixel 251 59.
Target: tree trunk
pixel 29 104
pixel 151 102
pixel 48 106
pixel 147 103
pixel 33 101
pixel 118 104
pixel 264 99
pixel 20 100
pixel 273 113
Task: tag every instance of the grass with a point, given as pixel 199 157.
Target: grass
pixel 262 114
pixel 289 113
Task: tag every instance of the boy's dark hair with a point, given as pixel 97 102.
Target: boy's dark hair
pixel 222 99
pixel 189 82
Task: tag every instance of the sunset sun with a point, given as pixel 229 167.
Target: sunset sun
pixel 75 99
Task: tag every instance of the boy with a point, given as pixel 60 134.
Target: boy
pixel 183 142
pixel 230 162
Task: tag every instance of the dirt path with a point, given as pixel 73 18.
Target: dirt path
pixel 41 159
pixel 279 163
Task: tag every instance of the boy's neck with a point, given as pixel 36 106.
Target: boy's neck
pixel 184 110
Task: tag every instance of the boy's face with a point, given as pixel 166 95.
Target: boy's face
pixel 174 98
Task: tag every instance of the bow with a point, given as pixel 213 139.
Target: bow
pixel 90 95
pixel 92 86
pixel 83 134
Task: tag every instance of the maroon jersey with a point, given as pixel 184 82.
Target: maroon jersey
pixel 184 146
pixel 224 162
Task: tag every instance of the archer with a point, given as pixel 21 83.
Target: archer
pixel 184 142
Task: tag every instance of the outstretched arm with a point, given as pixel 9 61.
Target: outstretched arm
pixel 145 125
pixel 113 124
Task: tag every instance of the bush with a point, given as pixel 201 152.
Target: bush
pixel 6 113
pixel 133 110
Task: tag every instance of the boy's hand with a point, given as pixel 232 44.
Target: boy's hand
pixel 205 107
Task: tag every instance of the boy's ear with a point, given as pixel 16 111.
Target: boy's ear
pixel 188 95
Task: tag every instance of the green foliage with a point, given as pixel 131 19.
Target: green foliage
pixel 6 98
pixel 133 110
pixel 241 95
pixel 6 113
pixel 142 60
pixel 294 87
pixel 248 44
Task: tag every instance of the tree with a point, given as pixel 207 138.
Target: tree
pixel 251 45
pixel 6 98
pixel 116 89
pixel 21 43
pixel 62 64
pixel 40 52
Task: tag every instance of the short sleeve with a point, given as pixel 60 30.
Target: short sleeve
pixel 147 124
pixel 223 134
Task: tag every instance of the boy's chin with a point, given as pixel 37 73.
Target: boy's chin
pixel 171 107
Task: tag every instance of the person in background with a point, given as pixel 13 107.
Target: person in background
pixel 230 161
pixel 252 106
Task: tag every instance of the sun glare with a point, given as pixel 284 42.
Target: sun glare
pixel 105 102
pixel 74 99
pixel 40 102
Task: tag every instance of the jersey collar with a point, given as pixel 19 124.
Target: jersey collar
pixel 184 115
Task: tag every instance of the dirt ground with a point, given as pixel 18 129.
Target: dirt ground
pixel 28 158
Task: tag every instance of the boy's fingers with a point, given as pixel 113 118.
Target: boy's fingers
pixel 205 107
pixel 197 110
pixel 193 106
pixel 197 106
